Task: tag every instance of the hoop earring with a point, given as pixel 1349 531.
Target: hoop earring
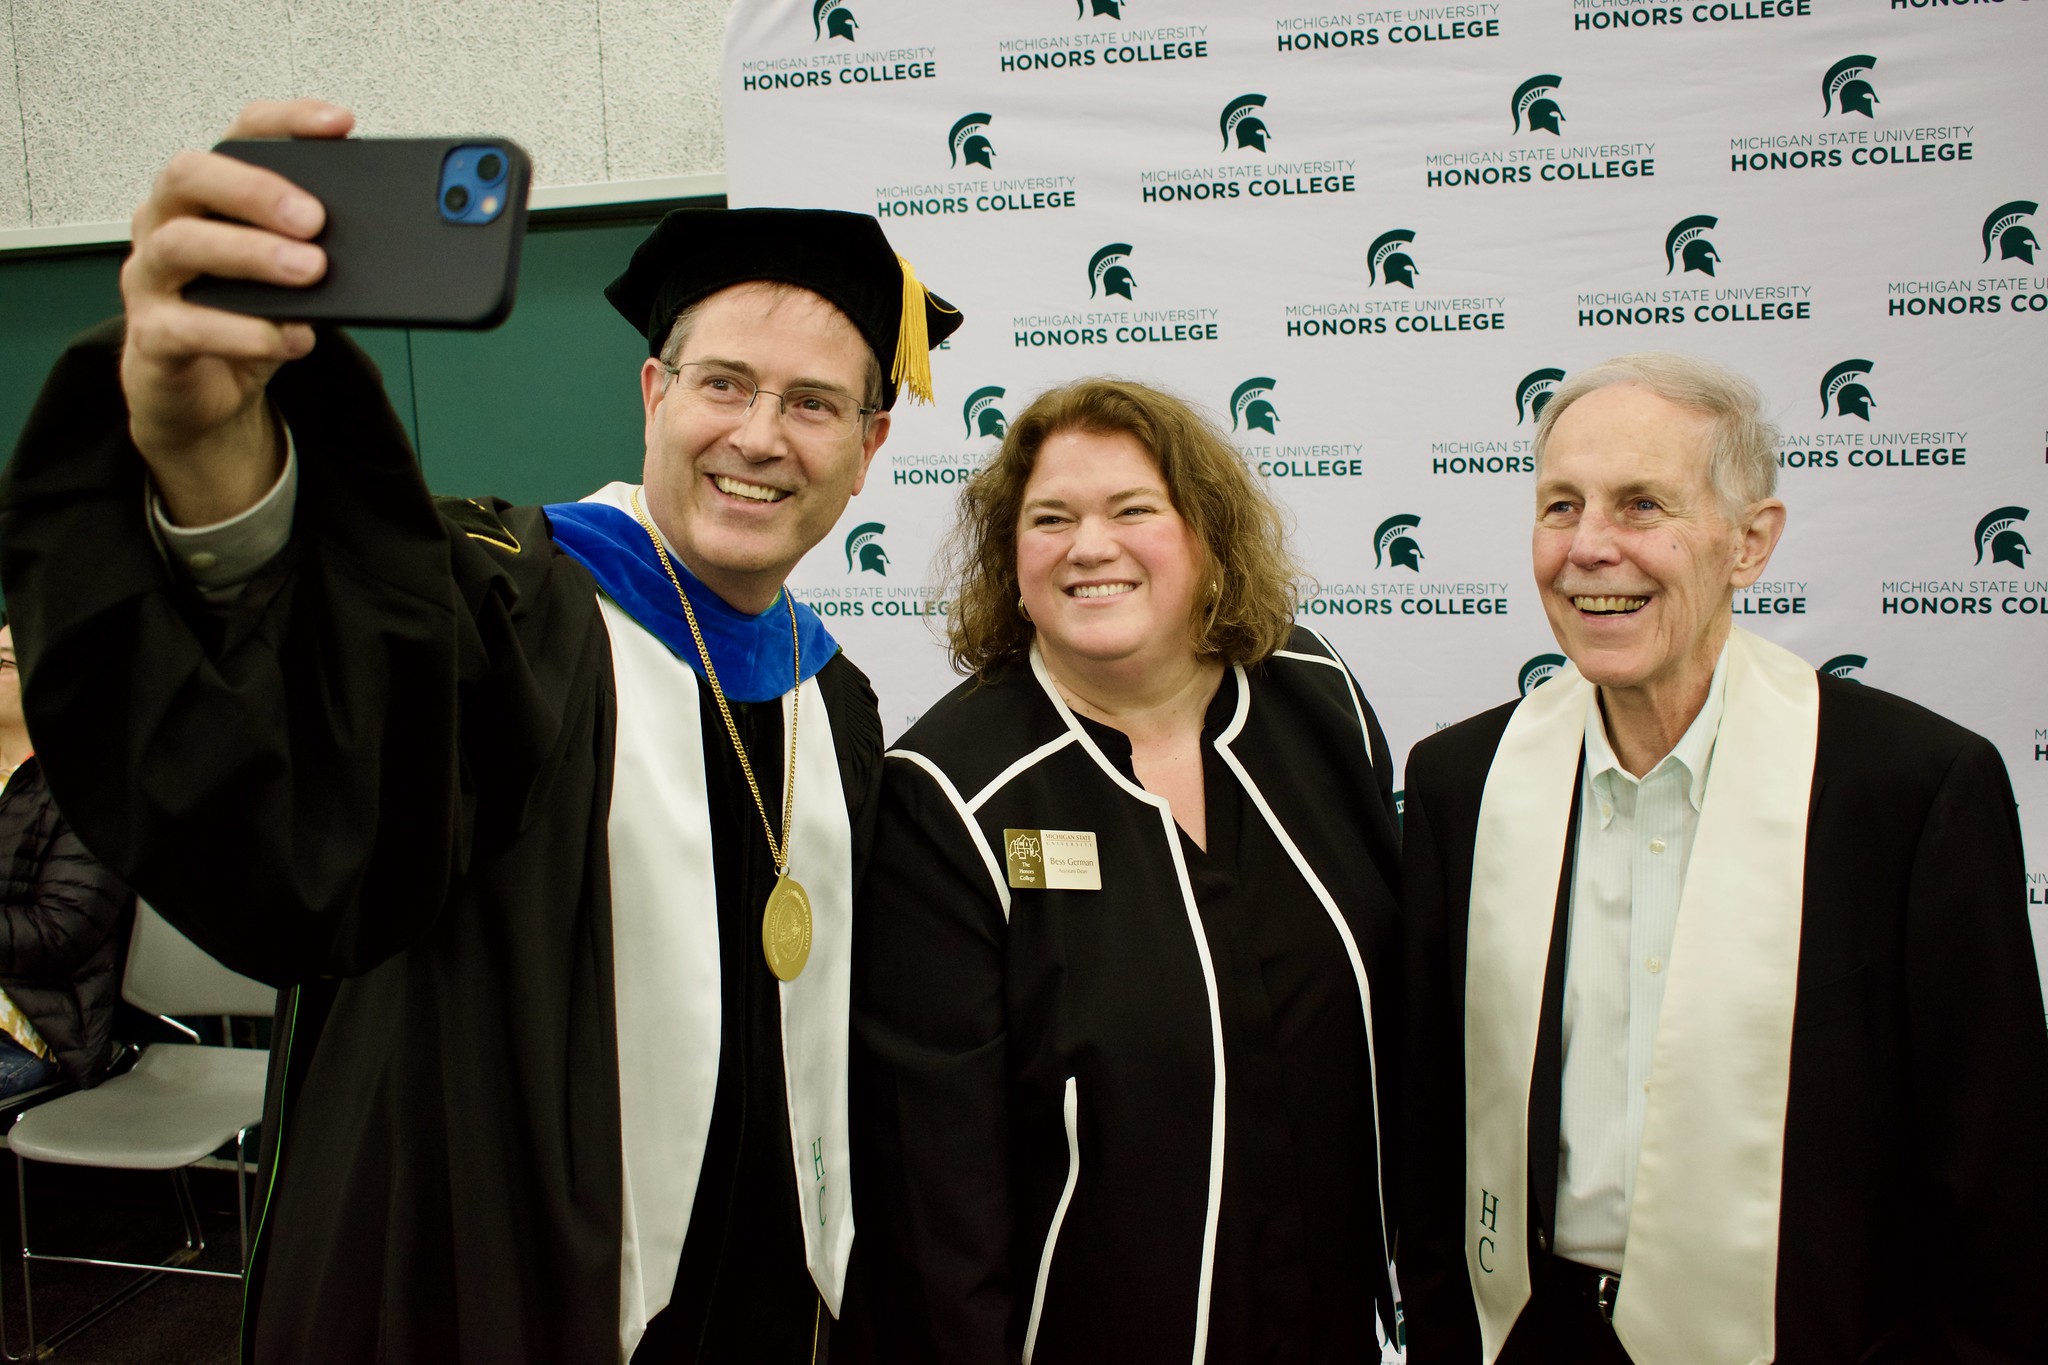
pixel 1023 610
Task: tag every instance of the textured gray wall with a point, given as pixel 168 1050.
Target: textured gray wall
pixel 96 94
pixel 13 165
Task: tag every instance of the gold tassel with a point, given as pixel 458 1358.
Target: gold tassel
pixel 912 368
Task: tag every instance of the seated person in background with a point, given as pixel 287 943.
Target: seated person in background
pixel 1725 1033
pixel 60 922
pixel 1121 960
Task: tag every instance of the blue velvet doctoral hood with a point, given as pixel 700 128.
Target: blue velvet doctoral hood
pixel 751 653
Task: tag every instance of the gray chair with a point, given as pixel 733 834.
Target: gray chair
pixel 180 1103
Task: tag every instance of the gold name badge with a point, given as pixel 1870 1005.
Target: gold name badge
pixel 1052 859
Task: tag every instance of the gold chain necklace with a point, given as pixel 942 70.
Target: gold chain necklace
pixel 786 920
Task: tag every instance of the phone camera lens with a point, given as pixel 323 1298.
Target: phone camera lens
pixel 490 167
pixel 456 199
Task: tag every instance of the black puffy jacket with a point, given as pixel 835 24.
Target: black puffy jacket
pixel 60 920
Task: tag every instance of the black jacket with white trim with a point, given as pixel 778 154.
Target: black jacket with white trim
pixel 1040 1080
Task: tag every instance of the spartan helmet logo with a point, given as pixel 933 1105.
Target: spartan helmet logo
pixel 1539 671
pixel 1393 546
pixel 981 414
pixel 1533 393
pixel 1107 273
pixel 1248 406
pixel 864 542
pixel 1387 261
pixel 1687 241
pixel 2015 239
pixel 1845 667
pixel 1532 100
pixel 969 144
pixel 1240 122
pixel 830 19
pixel 1844 87
pixel 1843 388
pixel 1113 8
pixel 1999 533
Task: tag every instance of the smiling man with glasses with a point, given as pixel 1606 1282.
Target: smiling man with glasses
pixel 546 819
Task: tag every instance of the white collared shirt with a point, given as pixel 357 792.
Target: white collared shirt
pixel 1634 841
pixel 220 558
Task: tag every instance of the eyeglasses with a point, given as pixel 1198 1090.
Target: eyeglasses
pixel 820 414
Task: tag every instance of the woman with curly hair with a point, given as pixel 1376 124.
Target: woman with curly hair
pixel 1119 961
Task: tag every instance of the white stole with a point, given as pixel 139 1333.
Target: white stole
pixel 1699 1271
pixel 816 1007
pixel 665 959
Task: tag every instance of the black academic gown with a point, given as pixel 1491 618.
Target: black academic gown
pixel 1916 1125
pixel 382 781
pixel 1036 1096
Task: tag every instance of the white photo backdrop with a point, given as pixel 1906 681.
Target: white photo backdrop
pixel 1370 241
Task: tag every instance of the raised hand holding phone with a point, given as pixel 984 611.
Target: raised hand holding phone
pixel 236 250
pixel 194 376
pixel 420 232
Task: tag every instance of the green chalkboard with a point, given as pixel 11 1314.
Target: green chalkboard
pixel 547 407
pixel 44 302
pixel 543 409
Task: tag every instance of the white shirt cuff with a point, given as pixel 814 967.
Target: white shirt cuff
pixel 226 554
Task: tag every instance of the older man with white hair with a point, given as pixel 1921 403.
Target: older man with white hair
pixel 1733 959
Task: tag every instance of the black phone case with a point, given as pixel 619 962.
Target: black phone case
pixel 392 260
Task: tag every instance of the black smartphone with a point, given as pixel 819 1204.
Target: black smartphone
pixel 421 232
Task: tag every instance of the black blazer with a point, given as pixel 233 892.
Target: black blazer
pixel 1914 1223
pixel 974 1030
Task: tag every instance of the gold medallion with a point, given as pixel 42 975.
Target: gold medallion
pixel 786 929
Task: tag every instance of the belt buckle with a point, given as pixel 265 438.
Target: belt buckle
pixel 1606 1289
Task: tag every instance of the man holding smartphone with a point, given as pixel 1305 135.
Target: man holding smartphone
pixel 546 819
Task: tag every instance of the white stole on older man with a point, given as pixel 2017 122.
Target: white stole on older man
pixel 1699 1269
pixel 665 961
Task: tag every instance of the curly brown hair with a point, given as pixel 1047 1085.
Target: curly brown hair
pixel 1241 531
